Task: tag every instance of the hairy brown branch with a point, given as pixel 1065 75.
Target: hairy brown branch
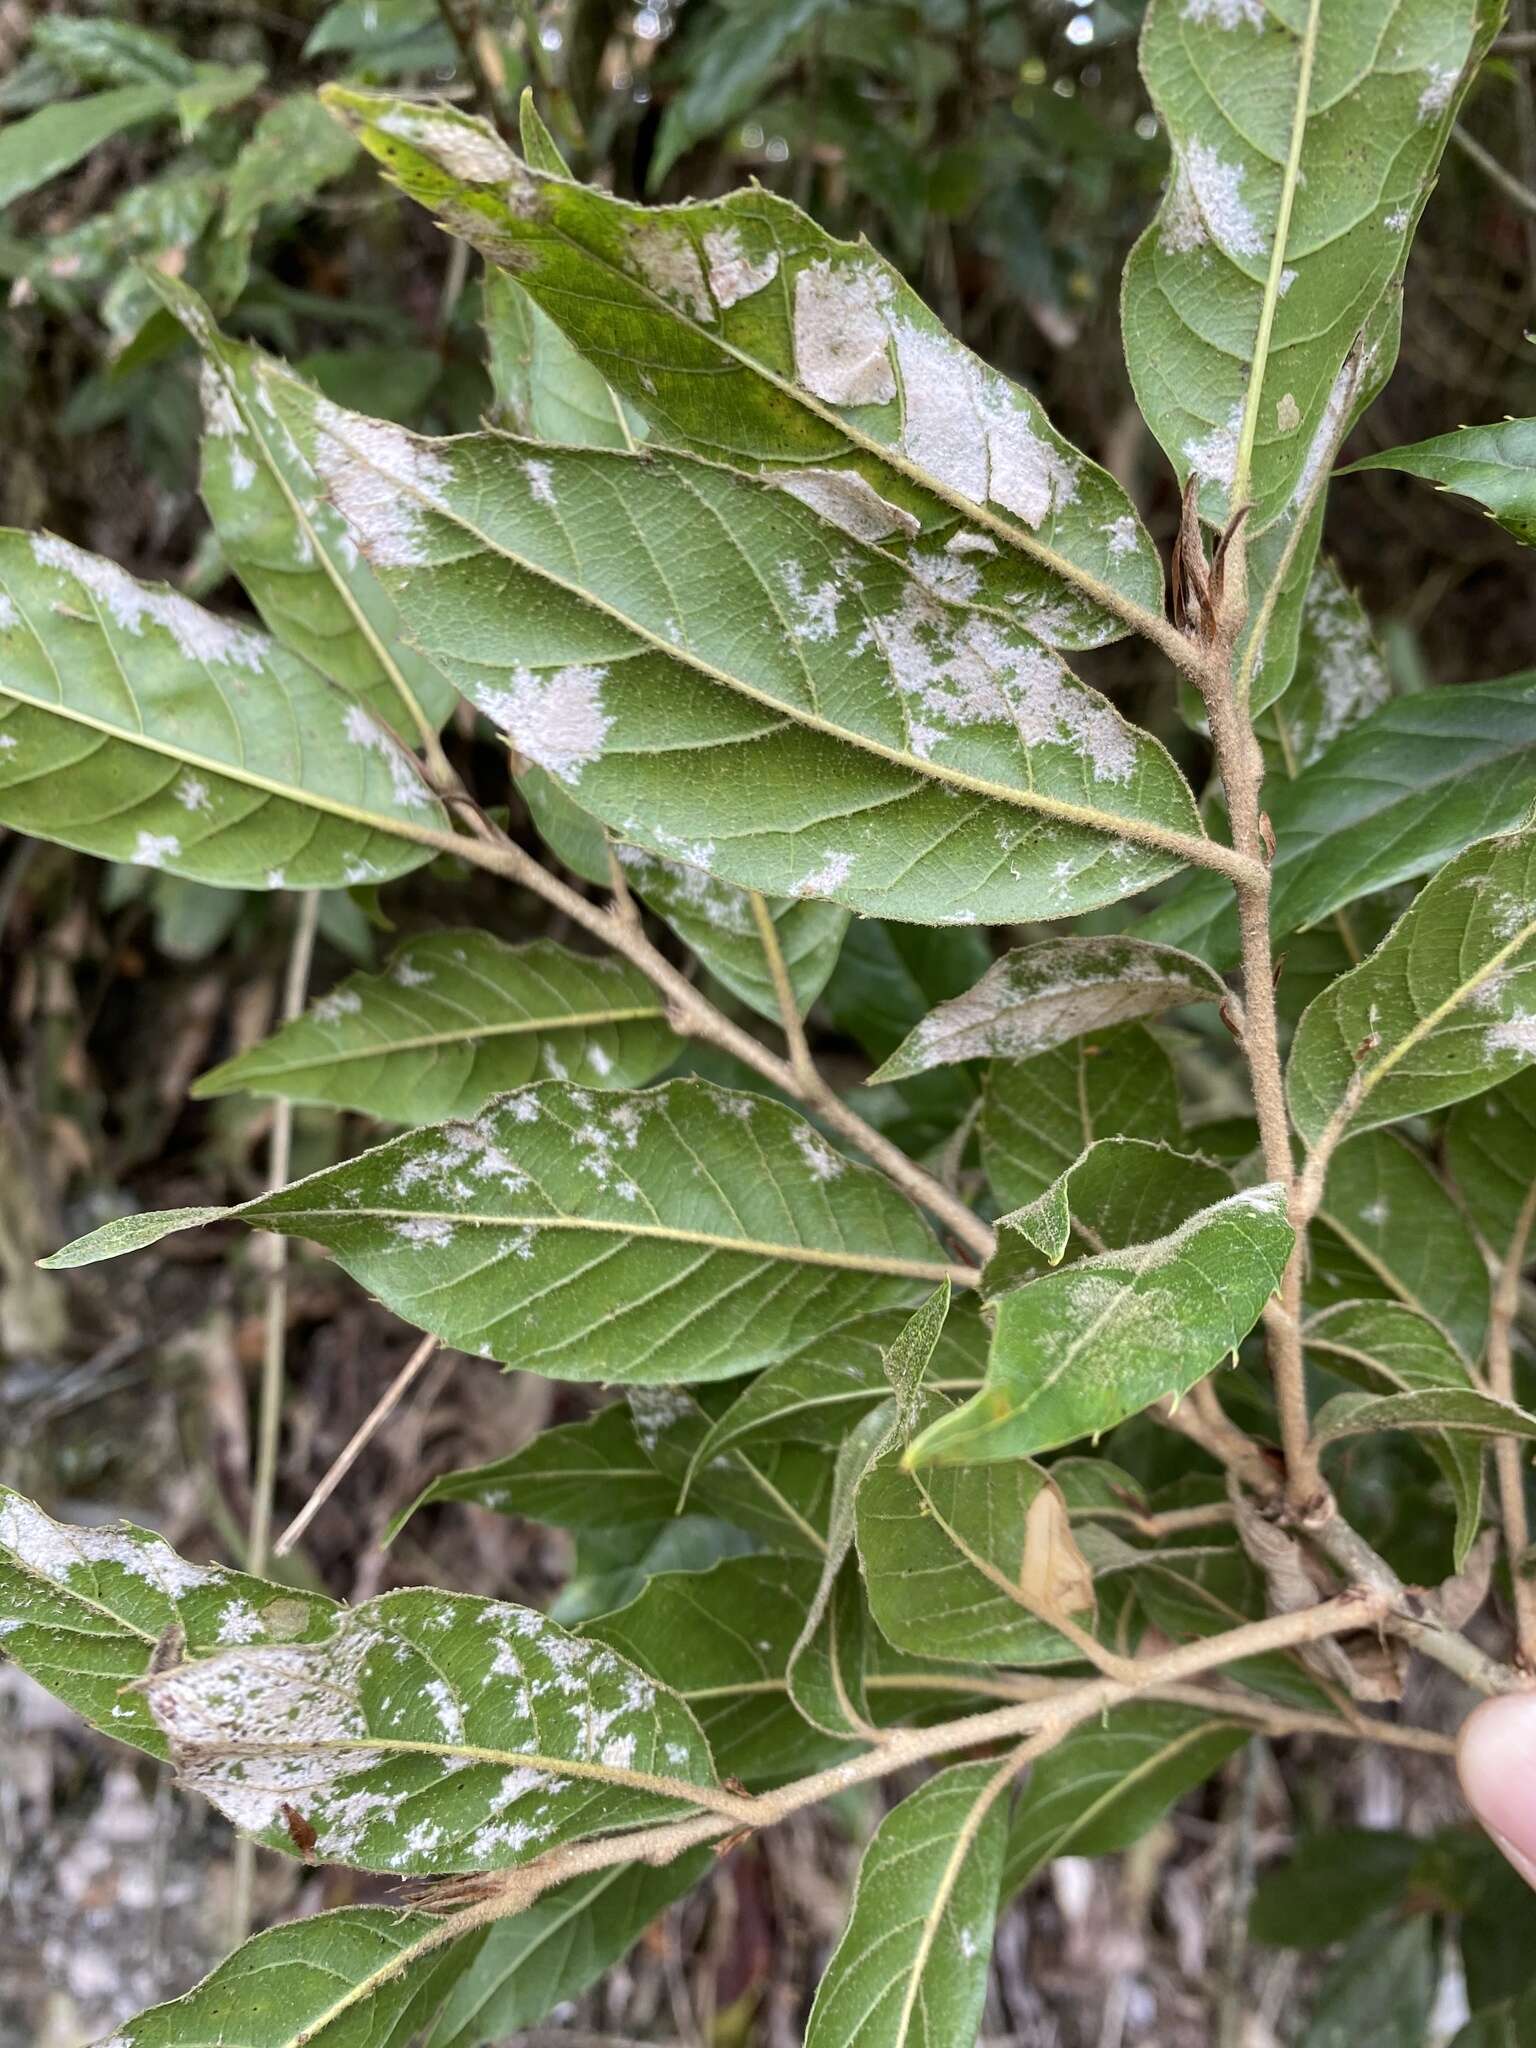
pixel 1509 1459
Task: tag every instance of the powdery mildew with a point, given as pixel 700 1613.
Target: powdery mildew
pixel 131 605
pixel 813 613
pixel 1225 14
pixel 845 500
pixel 557 721
pixel 732 273
pixel 670 265
pixel 464 150
pixel 405 782
pixel 1206 202
pixel 842 347
pixel 54 1551
pixel 379 478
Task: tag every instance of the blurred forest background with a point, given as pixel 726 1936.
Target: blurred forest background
pixel 1004 156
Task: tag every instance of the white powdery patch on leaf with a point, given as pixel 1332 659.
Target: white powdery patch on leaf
pixel 824 1163
pixel 341 1002
pixel 404 781
pixel 433 1230
pixel 221 415
pixel 967 427
pixel 253 1729
pixel 845 500
pixel 1214 458
pixel 969 542
pixel 813 613
pixel 464 151
pixel 1225 14
pixel 1443 80
pixel 654 1410
pixel 842 346
pixel 154 849
pixel 404 975
pixel 1123 534
pixel 679 890
pixel 380 479
pixel 824 881
pixel 732 273
pixel 557 721
pixel 1515 1034
pixel 541 481
pixel 53 1550
pixel 191 792
pixel 239 1623
pixel 1206 202
pixel 959 669
pixel 669 264
pixel 1349 678
pixel 9 616
pixel 198 634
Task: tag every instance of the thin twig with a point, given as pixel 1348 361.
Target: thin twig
pixel 301 953
pixel 790 1019
pixel 1493 170
pixel 361 1437
pixel 1509 1459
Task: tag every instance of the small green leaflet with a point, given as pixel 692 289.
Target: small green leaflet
pixel 1039 1115
pixel 456 1018
pixel 263 433
pixel 1388 1228
pixel 293 151
pixel 911 1968
pixel 82 1609
pixel 1304 148
pixel 835 723
pixel 1109 1782
pixel 746 334
pixel 569 1233
pixel 1383 1345
pixel 1444 1008
pixel 429 1733
pixel 1490 1146
pixel 552 1950
pixel 369 1974
pixel 1081 1349
pixel 1121 1191
pixel 1495 464
pixel 1039 996
pixel 137 726
pixel 1463 1411
pixel 1393 798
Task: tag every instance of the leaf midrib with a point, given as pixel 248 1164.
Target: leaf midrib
pixel 580 1020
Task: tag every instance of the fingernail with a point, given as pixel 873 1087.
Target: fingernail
pixel 1496 1761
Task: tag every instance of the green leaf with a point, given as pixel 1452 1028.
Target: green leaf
pixel 911 1968
pixel 293 152
pixel 717 922
pixel 1304 149
pixel 82 1609
pixel 748 335
pixel 1490 1147
pixel 1382 1344
pixel 1463 1411
pixel 1120 1191
pixel 818 1394
pixel 552 1950
pixel 1379 1991
pixel 1110 1781
pixel 431 1732
pixel 1081 1349
pixel 728 63
pixel 570 1234
pixel 1192 1591
pixel 1040 996
pixel 369 1974
pixel 1388 1228
pixel 1444 1008
pixel 137 726
pixel 1392 799
pixel 47 143
pixel 543 388
pixel 264 432
pixel 96 51
pixel 457 1018
pixel 1340 677
pixel 776 702
pixel 1495 464
pixel 1334 1883
pixel 943 1559
pixel 722 1640
pixel 1038 1116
